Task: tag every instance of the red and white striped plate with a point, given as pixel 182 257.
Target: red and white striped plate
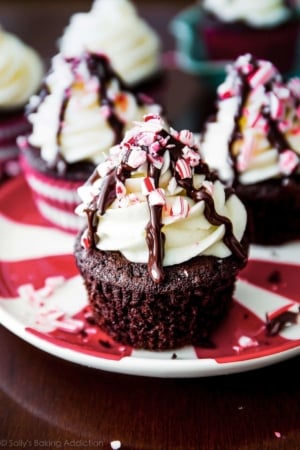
pixel 43 301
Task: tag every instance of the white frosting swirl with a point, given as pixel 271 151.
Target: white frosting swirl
pixel 113 27
pixel 257 13
pixel 85 130
pixel 257 156
pixel 187 232
pixel 21 71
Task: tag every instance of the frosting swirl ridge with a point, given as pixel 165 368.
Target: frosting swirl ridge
pixel 83 110
pixel 114 27
pixel 154 200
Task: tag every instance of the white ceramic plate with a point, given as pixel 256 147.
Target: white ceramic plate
pixel 43 301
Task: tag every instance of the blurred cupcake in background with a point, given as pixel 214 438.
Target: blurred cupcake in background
pixel 82 110
pixel 114 27
pixel 253 142
pixel 268 29
pixel 21 72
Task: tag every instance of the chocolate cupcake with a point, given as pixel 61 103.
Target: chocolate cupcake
pixel 253 142
pixel 163 242
pixel 82 110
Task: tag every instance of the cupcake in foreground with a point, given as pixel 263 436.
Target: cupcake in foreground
pixel 254 144
pixel 21 74
pixel 114 27
pixel 163 242
pixel 82 110
pixel 268 29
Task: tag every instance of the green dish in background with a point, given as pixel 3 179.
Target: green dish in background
pixel 190 50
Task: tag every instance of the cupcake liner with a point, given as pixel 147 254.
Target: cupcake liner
pixel 56 199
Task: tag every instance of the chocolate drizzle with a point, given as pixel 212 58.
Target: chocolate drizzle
pixel 154 236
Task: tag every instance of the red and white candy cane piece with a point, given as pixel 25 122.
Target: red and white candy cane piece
pixel 157 197
pixel 69 325
pixel 225 90
pixel 147 185
pixel 136 158
pixel 120 189
pixel 276 106
pixel 186 137
pixel 180 207
pixel 288 161
pixel 264 74
pixel 105 167
pixel 246 152
pixel 26 291
pixel 183 168
pixel 85 241
pixel 154 147
pixel 243 63
pixel 294 86
pixel 191 156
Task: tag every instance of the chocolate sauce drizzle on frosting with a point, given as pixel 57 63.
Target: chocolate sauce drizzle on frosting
pixel 98 65
pixel 154 235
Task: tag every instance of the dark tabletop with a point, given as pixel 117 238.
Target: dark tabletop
pixel 46 402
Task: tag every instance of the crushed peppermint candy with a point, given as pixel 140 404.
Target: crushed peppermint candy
pixel 267 118
pixel 45 315
pixel 162 168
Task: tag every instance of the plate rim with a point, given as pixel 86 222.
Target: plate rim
pixel 136 365
pixel 149 367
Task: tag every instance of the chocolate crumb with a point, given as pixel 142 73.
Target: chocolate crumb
pixel 105 344
pixel 277 323
pixel 275 277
